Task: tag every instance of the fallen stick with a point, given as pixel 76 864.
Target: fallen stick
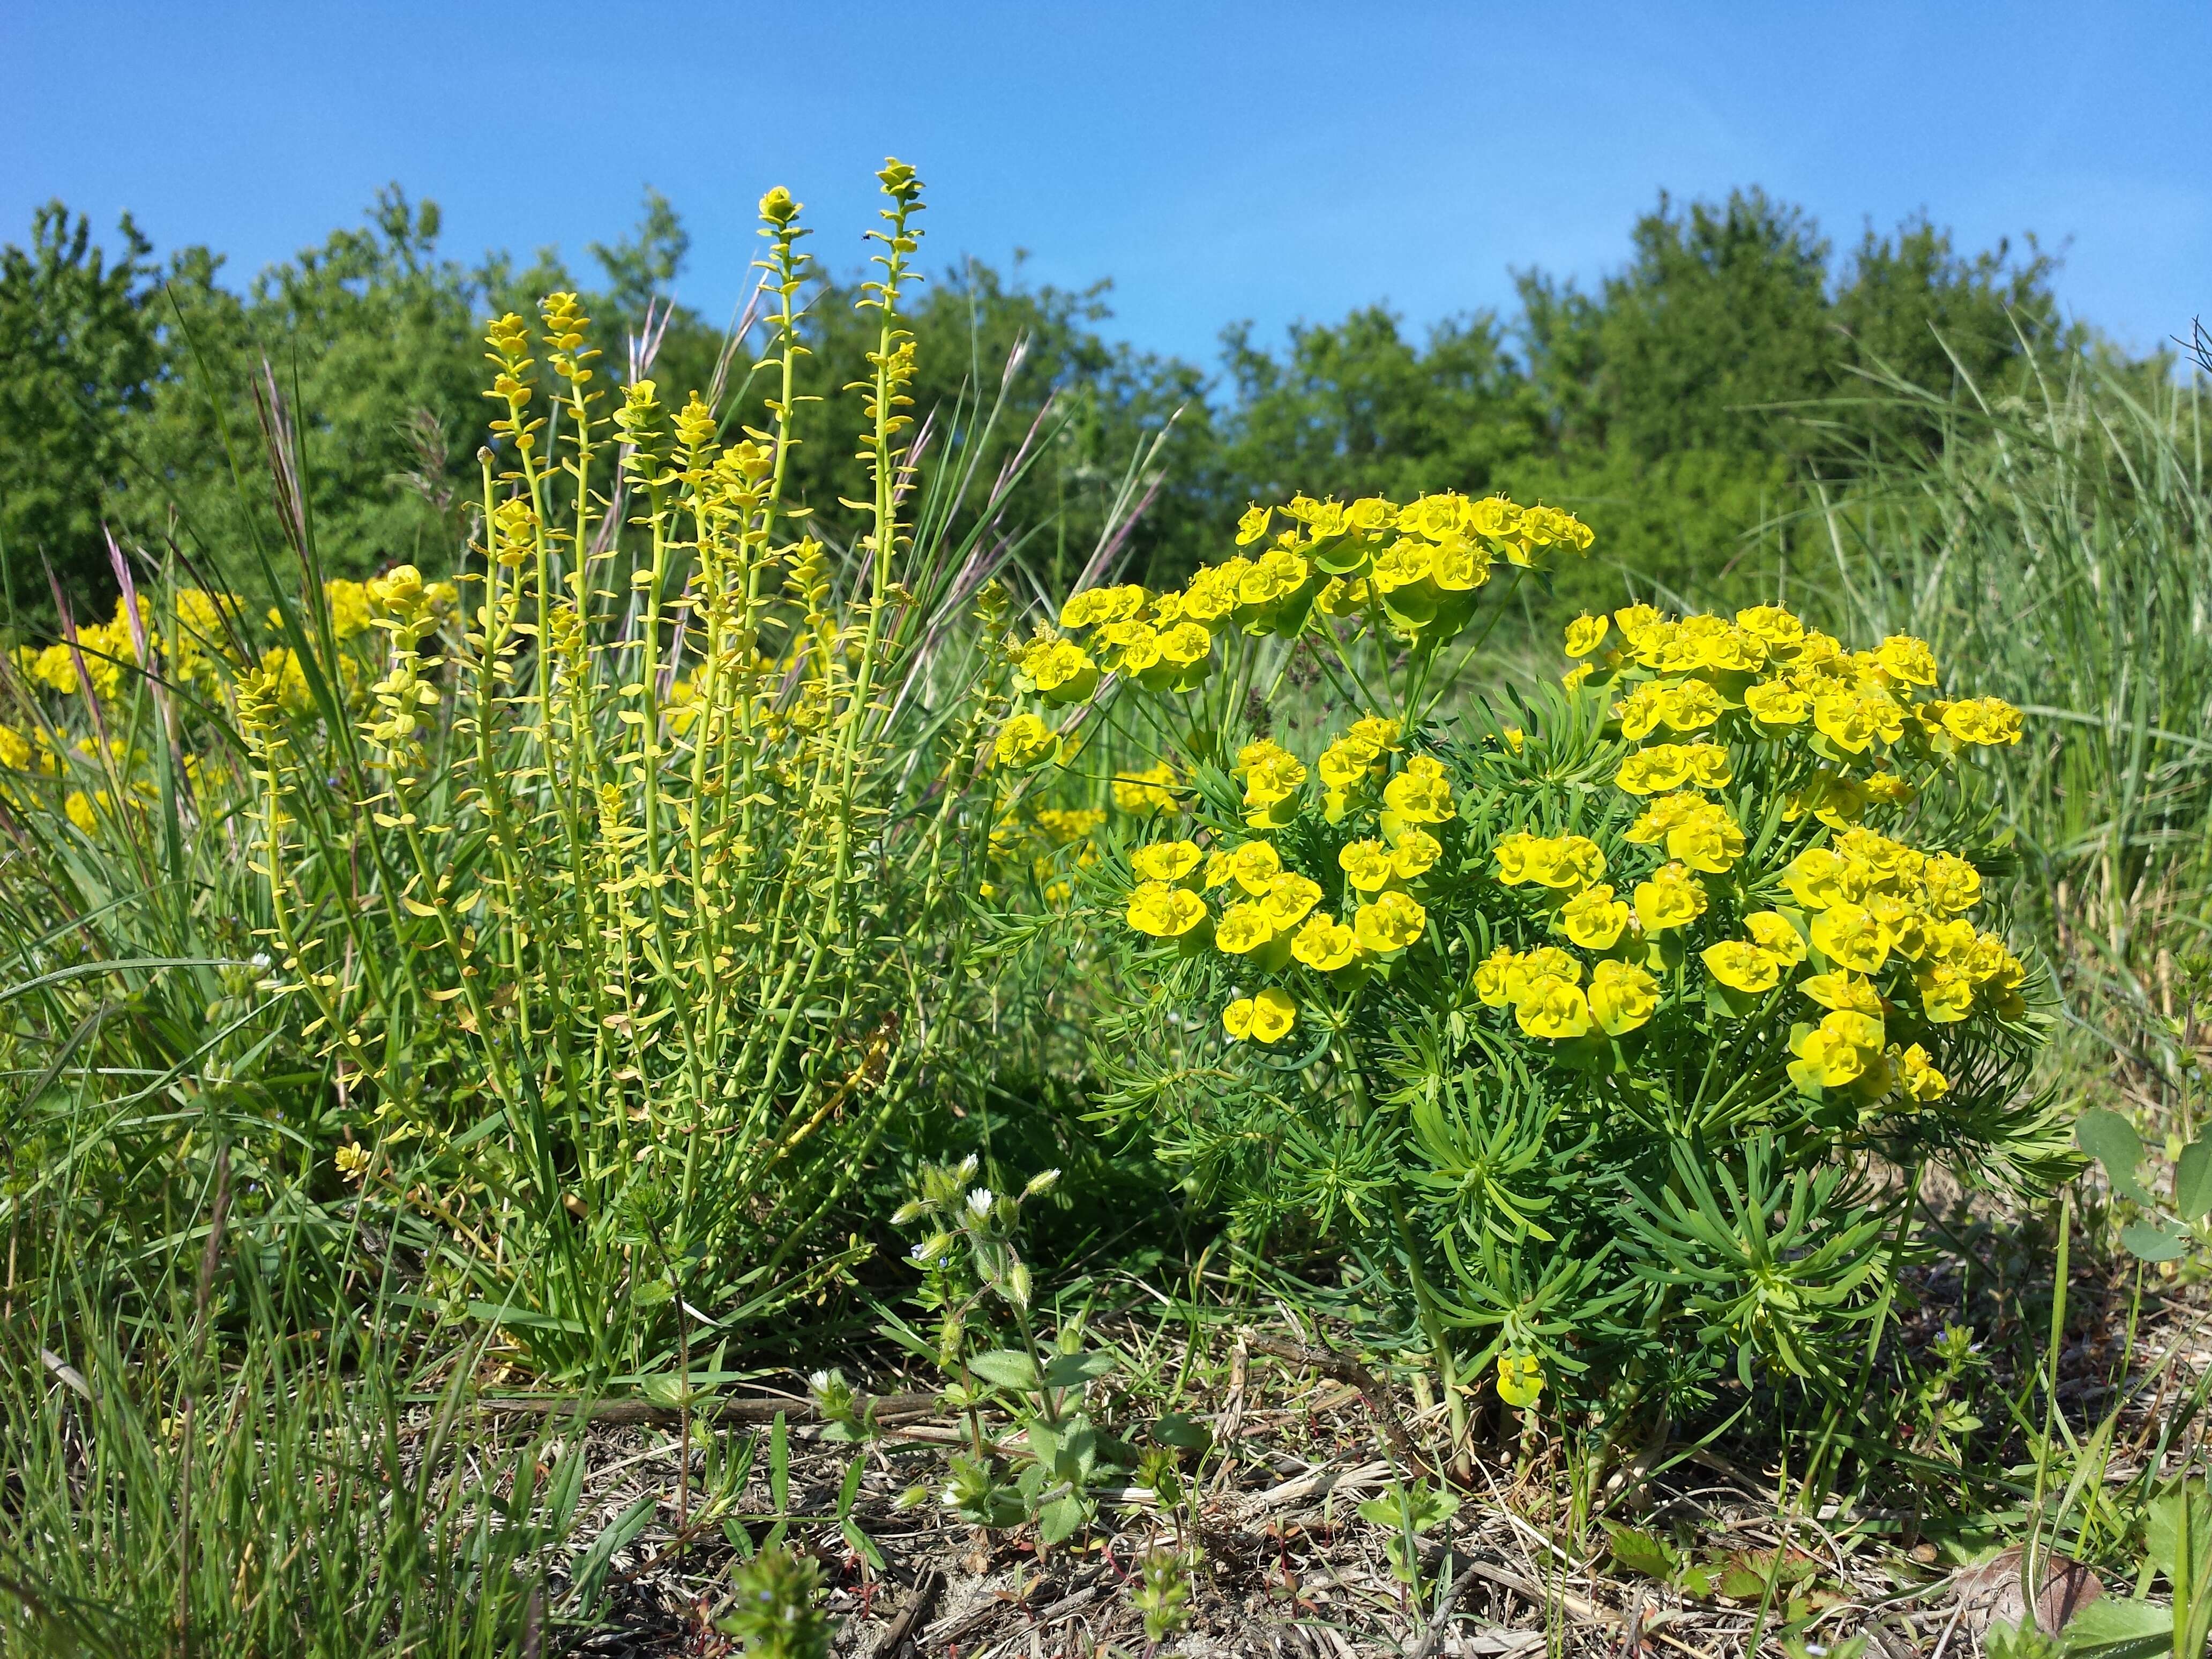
pixel 916 1614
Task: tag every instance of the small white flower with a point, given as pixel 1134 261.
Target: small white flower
pixel 980 1200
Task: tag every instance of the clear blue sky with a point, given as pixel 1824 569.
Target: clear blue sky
pixel 1270 161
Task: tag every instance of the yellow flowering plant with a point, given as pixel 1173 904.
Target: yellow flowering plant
pixel 602 896
pixel 1612 1039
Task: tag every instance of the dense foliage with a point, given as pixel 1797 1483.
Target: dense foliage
pixel 1672 395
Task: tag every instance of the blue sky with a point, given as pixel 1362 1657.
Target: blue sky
pixel 1219 161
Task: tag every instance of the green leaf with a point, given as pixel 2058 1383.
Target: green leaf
pixel 1060 1518
pixel 2113 1141
pixel 862 1545
pixel 2152 1243
pixel 739 1539
pixel 591 1568
pixel 851 1489
pixel 2114 1627
pixel 779 1465
pixel 1645 1552
pixel 1069 1370
pixel 2163 1538
pixel 1005 1368
pixel 2192 1180
pixel 1182 1431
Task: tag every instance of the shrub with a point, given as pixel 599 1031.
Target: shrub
pixel 1614 1038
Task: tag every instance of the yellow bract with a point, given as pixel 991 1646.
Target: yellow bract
pixel 1391 922
pixel 1622 996
pixel 1166 861
pixel 1520 1379
pixel 1594 919
pixel 1265 1018
pixel 1742 966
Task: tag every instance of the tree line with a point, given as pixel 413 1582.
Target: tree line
pixel 1733 354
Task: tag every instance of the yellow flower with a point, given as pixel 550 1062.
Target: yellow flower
pixel 1062 670
pixel 1493 977
pixel 1837 1051
pixel 1253 526
pixel 1366 865
pixel 1290 896
pixel 1151 790
pixel 1325 945
pixel 1654 770
pixel 1266 1018
pixel 1494 517
pixel 1272 776
pixel 1347 762
pixel 1771 625
pixel 1638 713
pixel 1244 927
pixel 1341 597
pixel 1376 732
pixel 1906 661
pixel 1742 966
pixel 1520 1379
pixel 1585 633
pixel 1461 567
pixel 1276 575
pixel 1414 852
pixel 1211 593
pixel 352 1161
pixel 1164 911
pixel 1252 865
pixel 1732 651
pixel 1923 1082
pixel 1166 860
pixel 1950 884
pixel 78 807
pixel 1024 740
pixel 1946 992
pixel 1852 720
pixel 1555 861
pixel 1708 841
pixel 1594 919
pixel 1771 931
pixel 1850 936
pixel 1662 816
pixel 1818 877
pixel 1673 898
pixel 1689 706
pixel 1573 678
pixel 1419 795
pixel 1845 993
pixel 1391 922
pixel 1552 1007
pixel 1622 996
pixel 1988 720
pixel 1778 703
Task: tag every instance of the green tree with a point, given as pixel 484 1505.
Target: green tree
pixel 83 352
pixel 1357 408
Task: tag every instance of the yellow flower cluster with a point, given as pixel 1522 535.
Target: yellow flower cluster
pixel 1411 570
pixel 1764 664
pixel 1877 922
pixel 1150 789
pixel 1271 917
